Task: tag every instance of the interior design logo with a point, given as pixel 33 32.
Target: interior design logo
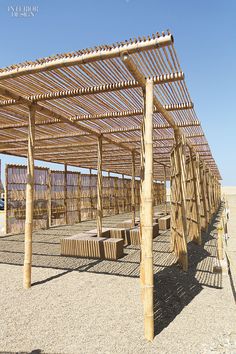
pixel 23 10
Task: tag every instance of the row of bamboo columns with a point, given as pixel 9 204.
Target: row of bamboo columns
pixel 195 198
pixel 146 203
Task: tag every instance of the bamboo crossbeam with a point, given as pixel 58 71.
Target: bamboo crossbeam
pixel 58 116
pixel 83 154
pixel 105 132
pixel 29 201
pixel 91 117
pixel 106 159
pixel 88 57
pixel 136 128
pixel 99 188
pixel 130 65
pixel 86 91
pixel 155 127
pixel 72 144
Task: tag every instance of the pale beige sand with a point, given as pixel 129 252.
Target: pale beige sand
pixel 90 306
pixel 228 190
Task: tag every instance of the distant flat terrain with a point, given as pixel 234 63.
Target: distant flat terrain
pixel 229 190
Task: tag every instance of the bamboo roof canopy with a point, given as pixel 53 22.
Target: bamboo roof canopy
pixel 82 95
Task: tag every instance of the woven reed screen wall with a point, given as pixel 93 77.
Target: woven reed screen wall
pixel 65 203
pixel 16 176
pixel 159 193
pixel 52 208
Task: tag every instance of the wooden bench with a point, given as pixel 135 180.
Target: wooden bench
pixel 164 222
pixel 85 245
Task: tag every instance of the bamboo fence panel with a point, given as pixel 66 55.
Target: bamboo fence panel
pixel 73 195
pixel 159 193
pixel 106 189
pixel 81 201
pixel 16 177
pixel 88 197
pixel 58 198
pixel 137 194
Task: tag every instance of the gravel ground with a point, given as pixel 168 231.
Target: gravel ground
pixel 89 306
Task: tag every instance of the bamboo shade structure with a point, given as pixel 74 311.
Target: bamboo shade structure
pixel 95 108
pixel 82 94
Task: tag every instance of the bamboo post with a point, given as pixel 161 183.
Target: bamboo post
pixel 79 197
pixel 109 179
pixel 29 199
pixel 116 200
pixel 6 200
pixel 49 196
pixel 123 193
pixel 99 188
pixel 147 212
pixel 180 161
pixel 133 189
pixel 65 193
pixel 203 194
pixel 165 190
pixel 197 201
pixel 90 194
pixel 142 274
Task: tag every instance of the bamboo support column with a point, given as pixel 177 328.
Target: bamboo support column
pixel 49 196
pixel 65 193
pixel 99 188
pixel 123 193
pixel 203 195
pixel 6 199
pixel 147 212
pixel 109 190
pixel 180 161
pixel 196 191
pixel 79 197
pixel 165 190
pixel 133 189
pixel 90 195
pixel 142 275
pixel 29 199
pixel 116 196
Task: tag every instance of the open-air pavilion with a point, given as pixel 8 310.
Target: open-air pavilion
pixel 125 109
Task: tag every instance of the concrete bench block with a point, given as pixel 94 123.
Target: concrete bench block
pixel 121 233
pixel 113 248
pixel 91 246
pixel 164 223
pixel 105 232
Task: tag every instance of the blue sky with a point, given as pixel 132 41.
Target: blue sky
pixel 205 39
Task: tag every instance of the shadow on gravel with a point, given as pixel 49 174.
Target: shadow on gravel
pixel 174 289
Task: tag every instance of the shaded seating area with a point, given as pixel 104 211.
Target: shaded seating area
pixel 122 110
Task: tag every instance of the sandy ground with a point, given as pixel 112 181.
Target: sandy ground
pixel 89 306
pixel 2 219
